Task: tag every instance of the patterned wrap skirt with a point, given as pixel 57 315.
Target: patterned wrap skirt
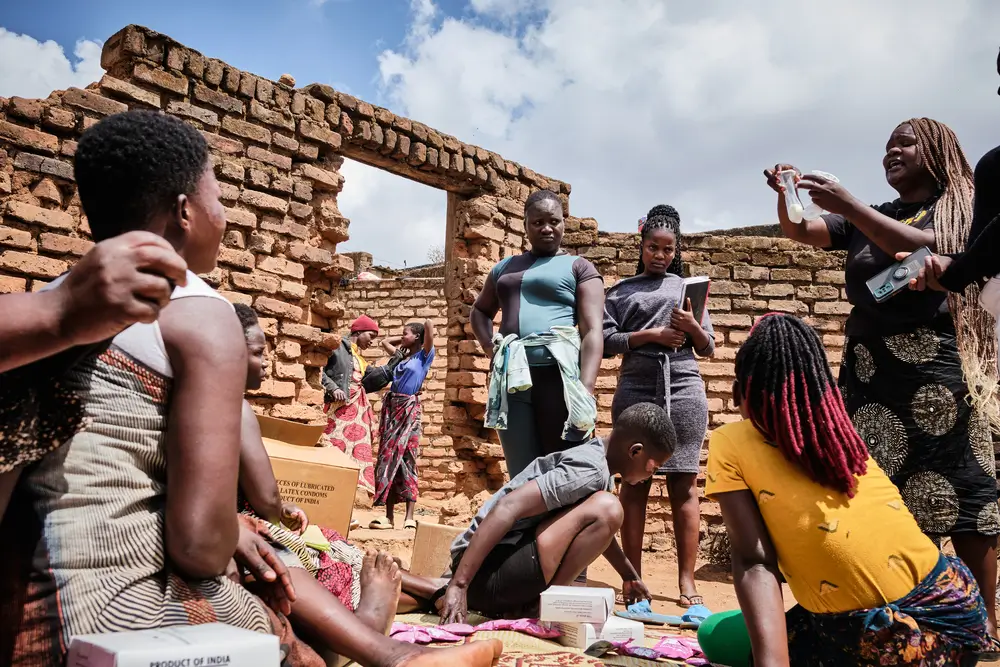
pixel 907 397
pixel 349 428
pixel 399 446
pixel 338 570
pixel 941 622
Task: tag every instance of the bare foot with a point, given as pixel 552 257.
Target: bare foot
pixel 380 586
pixel 473 654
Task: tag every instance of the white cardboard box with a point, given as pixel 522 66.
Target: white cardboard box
pixel 584 635
pixel 210 645
pixel 567 604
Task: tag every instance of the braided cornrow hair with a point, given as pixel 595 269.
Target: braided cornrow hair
pixel 784 380
pixel 666 217
pixel 975 328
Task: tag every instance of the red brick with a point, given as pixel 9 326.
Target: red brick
pixel 834 308
pixel 275 389
pixel 213 71
pixel 287 143
pixel 281 267
pixel 218 99
pixel 302 332
pixel 323 179
pixel 286 226
pixel 288 349
pixel 44 165
pixel 175 83
pixel 39 216
pixel 292 290
pixel 229 170
pixel 27 109
pixel 276 118
pixel 29 138
pixel 241 217
pixel 279 161
pixel 61 245
pixel 240 258
pixel 223 144
pixel 309 255
pixel 62 119
pixel 323 135
pixel 287 371
pixel 15 238
pixel 268 306
pixel 246 130
pixel 263 200
pixel 254 282
pixel 120 88
pixel 93 102
pixel 11 285
pixel 282 183
pixel 195 113
pixel 32 265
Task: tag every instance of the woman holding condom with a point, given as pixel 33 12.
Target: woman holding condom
pixel 902 373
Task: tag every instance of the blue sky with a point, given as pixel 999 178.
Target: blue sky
pixel 337 42
pixel 633 102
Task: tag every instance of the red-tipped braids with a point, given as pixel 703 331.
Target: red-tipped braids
pixel 784 381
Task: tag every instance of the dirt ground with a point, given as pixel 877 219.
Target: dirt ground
pixel 659 569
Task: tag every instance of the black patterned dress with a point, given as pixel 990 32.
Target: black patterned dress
pixel 904 388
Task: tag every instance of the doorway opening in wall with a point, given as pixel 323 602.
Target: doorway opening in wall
pixel 397 241
pixel 399 222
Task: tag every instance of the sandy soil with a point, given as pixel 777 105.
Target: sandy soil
pixel 660 569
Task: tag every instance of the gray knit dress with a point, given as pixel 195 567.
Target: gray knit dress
pixel 652 373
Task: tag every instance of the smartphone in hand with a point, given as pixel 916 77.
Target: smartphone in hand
pixel 896 278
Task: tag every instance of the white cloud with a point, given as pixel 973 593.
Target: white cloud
pixel 35 69
pixel 394 219
pixel 639 102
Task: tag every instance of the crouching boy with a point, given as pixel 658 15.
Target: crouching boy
pixel 554 519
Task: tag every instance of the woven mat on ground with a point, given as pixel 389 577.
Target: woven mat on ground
pixel 522 650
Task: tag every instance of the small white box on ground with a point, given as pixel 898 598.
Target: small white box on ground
pixel 209 645
pixel 576 604
pixel 584 635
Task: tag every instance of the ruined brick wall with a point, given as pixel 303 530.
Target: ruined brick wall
pixel 394 303
pixel 277 151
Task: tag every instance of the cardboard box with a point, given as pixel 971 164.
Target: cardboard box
pixel 432 548
pixel 584 635
pixel 211 645
pixel 320 480
pixel 569 604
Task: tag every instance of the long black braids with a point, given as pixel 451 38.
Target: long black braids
pixel 665 217
pixel 784 378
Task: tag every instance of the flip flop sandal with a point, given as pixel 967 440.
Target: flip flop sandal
pixel 411 524
pixel 643 613
pixel 380 523
pixel 694 616
pixel 690 601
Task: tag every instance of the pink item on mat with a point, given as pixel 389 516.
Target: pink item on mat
pixel 528 626
pixel 681 648
pixel 460 629
pixel 415 634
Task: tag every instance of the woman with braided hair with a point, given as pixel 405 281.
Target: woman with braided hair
pixel 902 374
pixel 802 500
pixel 659 338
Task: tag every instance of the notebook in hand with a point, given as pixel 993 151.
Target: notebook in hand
pixel 696 289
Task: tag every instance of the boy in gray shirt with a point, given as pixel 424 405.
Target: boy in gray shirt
pixel 551 521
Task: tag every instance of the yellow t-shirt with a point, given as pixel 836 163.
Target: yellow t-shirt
pixel 836 553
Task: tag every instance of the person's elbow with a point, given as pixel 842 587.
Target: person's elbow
pixel 202 551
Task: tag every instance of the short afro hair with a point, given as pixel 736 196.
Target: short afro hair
pixel 418 330
pixel 248 318
pixel 540 196
pixel 132 166
pixel 649 424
